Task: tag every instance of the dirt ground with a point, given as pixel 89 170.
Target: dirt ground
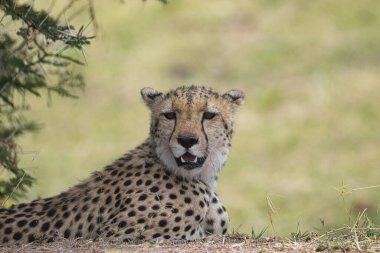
pixel 209 245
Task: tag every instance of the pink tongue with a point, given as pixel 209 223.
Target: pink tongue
pixel 188 157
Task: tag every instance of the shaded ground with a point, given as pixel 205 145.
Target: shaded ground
pixel 344 239
pixel 337 240
pixel 211 245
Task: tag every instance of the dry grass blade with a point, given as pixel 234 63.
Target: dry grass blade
pixel 214 244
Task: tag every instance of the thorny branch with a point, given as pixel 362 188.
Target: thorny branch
pixel 29 64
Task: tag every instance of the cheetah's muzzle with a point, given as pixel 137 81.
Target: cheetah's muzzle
pixel 189 161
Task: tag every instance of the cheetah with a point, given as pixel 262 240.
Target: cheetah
pixel 162 190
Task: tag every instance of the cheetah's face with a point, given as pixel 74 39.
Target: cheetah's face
pixel 192 128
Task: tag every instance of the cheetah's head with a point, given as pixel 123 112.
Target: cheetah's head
pixel 191 128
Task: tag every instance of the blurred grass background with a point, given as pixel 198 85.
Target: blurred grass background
pixel 309 128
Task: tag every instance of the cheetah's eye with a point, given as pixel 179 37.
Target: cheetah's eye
pixel 169 115
pixel 209 115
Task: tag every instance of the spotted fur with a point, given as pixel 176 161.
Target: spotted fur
pixel 163 189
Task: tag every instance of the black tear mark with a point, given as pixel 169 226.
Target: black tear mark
pixel 224 124
pixel 175 124
pixel 203 130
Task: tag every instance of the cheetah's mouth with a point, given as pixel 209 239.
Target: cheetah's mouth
pixel 189 161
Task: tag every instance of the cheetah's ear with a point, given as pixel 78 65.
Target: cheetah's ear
pixel 150 95
pixel 235 96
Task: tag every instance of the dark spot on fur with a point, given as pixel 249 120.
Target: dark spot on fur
pixel 67 233
pixel 33 223
pixel 45 227
pixel 31 238
pixel 8 231
pixel 162 223
pixel 9 220
pixel 122 224
pixel 22 223
pixel 154 189
pixel 17 236
pixel 58 224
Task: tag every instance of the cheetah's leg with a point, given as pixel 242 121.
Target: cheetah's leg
pixel 216 220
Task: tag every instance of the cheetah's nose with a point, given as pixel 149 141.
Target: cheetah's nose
pixel 187 140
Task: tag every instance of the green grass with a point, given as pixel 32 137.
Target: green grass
pixel 310 124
